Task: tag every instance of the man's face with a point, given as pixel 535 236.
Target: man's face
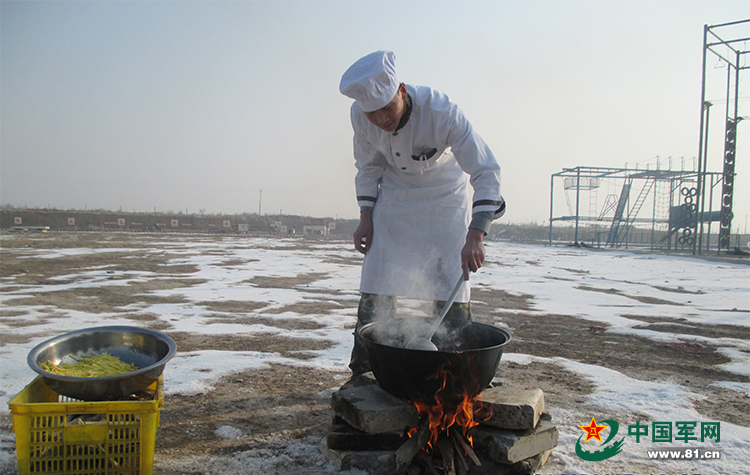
pixel 388 117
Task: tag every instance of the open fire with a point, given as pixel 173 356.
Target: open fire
pixel 448 417
pixel 443 442
pixel 421 412
pixel 504 431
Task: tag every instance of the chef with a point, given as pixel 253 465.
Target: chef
pixel 417 159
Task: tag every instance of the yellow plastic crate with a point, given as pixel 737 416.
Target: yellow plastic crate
pixel 63 436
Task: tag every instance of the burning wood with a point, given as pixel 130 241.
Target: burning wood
pixel 452 455
pixel 452 436
pixel 426 462
pixel 446 455
pixel 462 443
pixel 441 436
pixel 406 453
pixel 462 466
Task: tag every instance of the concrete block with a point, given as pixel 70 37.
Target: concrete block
pixel 373 410
pixel 342 436
pixel 508 447
pixel 374 462
pixel 512 408
pixel 524 467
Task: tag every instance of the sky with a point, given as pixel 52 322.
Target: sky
pixel 560 282
pixel 233 106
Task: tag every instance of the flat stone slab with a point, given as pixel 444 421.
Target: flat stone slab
pixel 373 410
pixel 342 436
pixel 524 467
pixel 508 446
pixel 374 462
pixel 512 408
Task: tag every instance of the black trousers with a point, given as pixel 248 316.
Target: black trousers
pixel 374 307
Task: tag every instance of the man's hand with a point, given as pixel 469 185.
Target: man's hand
pixel 472 255
pixel 363 234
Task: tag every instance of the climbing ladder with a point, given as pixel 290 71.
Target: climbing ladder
pixel 640 200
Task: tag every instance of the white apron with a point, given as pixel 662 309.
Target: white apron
pixel 418 180
pixel 420 223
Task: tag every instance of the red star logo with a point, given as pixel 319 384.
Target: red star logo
pixel 592 431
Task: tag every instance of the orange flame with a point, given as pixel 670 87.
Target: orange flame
pixel 451 408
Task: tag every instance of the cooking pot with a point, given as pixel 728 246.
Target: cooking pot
pixel 465 363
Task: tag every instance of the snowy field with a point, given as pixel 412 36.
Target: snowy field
pixel 559 280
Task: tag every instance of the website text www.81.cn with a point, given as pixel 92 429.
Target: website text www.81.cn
pixel 684 454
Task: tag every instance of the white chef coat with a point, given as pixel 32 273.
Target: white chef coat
pixel 417 182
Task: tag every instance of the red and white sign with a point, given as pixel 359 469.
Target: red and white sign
pixel 331 225
pixel 17 220
pixel 175 223
pixel 226 224
pixel 71 221
pixel 120 222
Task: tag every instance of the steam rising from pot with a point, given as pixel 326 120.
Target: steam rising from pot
pixel 429 281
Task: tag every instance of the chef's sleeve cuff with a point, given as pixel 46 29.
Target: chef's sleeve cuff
pixel 482 220
pixel 366 203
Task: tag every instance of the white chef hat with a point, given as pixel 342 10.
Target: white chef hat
pixel 371 81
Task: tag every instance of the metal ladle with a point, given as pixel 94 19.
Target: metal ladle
pixel 425 343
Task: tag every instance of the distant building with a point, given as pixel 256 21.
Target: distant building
pixel 315 230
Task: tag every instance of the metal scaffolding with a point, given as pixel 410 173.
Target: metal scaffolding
pixel 645 207
pixel 734 57
pixel 681 201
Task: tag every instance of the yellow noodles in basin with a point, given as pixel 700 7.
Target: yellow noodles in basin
pixel 93 366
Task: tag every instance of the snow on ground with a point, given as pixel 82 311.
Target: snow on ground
pixel 560 280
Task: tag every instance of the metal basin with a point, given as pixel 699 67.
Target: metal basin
pixel 465 363
pixel 149 350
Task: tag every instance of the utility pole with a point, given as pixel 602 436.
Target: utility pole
pixel 260 202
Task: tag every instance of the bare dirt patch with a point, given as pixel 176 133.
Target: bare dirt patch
pixel 649 300
pixel 281 323
pixel 486 299
pixel 265 342
pixel 561 387
pixel 236 262
pixel 344 261
pixel 684 327
pixel 263 406
pixel 678 290
pixel 10 339
pixel 718 404
pixel 641 358
pixel 285 282
pixel 238 307
pixel 574 271
pixel 99 299
pixel 35 270
pixel 12 313
pixel 311 307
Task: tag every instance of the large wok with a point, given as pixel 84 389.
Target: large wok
pixel 465 363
